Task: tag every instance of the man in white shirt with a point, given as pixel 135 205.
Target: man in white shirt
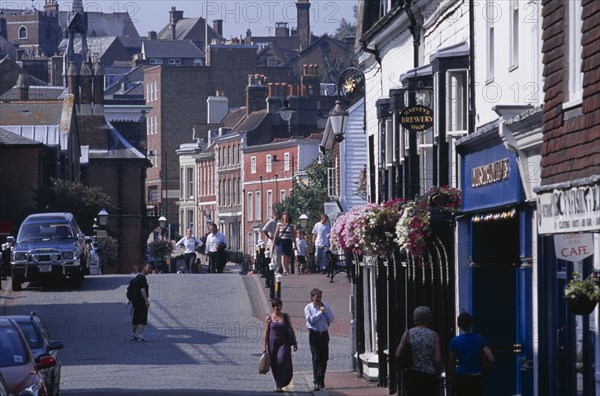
pixel 216 242
pixel 321 242
pixel 269 233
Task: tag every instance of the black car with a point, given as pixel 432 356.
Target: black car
pixel 41 344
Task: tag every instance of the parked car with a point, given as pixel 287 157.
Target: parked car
pixel 4 387
pixel 49 246
pixel 41 344
pixel 94 258
pixel 17 365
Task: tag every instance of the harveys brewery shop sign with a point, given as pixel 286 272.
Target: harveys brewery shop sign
pixel 570 210
pixel 416 118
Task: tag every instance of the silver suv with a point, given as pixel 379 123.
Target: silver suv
pixel 49 246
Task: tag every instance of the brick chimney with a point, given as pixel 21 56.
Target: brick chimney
pixel 217 108
pixel 174 17
pixel 256 93
pixel 73 81
pixel 303 21
pixel 51 6
pixel 310 80
pixel 98 87
pixel 22 87
pixel 85 76
pixel 218 26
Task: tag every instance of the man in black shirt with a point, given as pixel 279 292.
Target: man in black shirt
pixel 140 308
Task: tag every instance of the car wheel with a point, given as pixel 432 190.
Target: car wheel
pixel 16 283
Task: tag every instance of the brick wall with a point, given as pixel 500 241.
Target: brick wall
pixel 571 146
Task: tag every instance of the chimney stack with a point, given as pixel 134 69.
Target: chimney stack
pixel 22 87
pixel 256 93
pixel 174 17
pixel 98 87
pixel 152 35
pixel 217 108
pixel 73 81
pixel 311 81
pixel 218 26
pixel 303 23
pixel 86 88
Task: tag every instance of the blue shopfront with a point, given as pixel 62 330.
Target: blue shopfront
pixel 568 223
pixel 495 259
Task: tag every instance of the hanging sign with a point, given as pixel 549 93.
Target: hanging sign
pixel 573 247
pixel 416 118
pixel 569 211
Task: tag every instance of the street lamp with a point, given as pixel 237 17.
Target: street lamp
pixel 162 222
pixel 286 112
pixel 303 220
pixel 103 218
pixel 339 118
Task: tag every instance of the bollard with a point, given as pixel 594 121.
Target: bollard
pixel 278 279
pixel 271 278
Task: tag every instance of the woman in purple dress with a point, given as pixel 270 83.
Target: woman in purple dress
pixel 279 338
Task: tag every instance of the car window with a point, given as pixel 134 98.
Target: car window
pixel 31 334
pixel 12 350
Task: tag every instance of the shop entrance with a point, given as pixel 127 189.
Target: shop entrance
pixel 575 336
pixel 501 304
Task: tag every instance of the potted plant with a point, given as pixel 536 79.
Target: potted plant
pixel 582 294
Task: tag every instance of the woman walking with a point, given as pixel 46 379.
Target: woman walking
pixel 286 234
pixel 278 340
pixel 466 349
pixel 426 355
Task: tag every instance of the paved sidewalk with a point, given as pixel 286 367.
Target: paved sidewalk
pixel 295 293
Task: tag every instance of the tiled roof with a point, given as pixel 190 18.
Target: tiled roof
pixel 233 117
pixel 8 138
pixel 9 73
pixel 171 49
pixel 104 24
pixel 251 121
pixel 31 113
pixel 185 26
pixel 47 134
pixel 36 93
pixel 96 45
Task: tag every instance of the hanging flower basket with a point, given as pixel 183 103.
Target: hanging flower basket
pixel 582 294
pixel 581 305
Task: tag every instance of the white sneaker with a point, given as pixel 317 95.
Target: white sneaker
pixel 133 338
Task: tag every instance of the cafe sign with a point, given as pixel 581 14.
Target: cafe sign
pixel 416 118
pixel 573 247
pixel 569 211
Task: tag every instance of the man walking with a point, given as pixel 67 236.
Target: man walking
pixel 269 232
pixel 216 242
pixel 318 318
pixel 140 306
pixel 321 242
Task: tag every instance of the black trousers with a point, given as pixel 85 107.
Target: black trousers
pixel 217 261
pixel 319 348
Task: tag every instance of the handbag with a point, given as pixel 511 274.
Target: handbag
pixel 484 362
pixel 404 353
pixel 264 364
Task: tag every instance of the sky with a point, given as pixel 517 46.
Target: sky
pixel 259 16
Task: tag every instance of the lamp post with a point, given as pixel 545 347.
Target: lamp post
pixel 351 84
pixel 162 222
pixel 102 222
pixel 303 220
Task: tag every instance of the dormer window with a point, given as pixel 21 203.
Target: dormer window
pixel 175 61
pixel 156 61
pixel 23 33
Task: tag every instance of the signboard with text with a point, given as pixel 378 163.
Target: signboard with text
pixel 569 211
pixel 573 247
pixel 416 118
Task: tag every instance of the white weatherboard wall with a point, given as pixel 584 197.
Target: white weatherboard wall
pixel 354 157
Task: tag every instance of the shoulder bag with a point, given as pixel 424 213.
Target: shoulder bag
pixel 278 239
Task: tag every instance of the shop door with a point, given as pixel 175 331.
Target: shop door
pixel 575 335
pixel 493 302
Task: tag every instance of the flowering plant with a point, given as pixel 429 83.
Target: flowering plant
pixel 348 230
pixel 588 288
pixel 378 236
pixel 413 230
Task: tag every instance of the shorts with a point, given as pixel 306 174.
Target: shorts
pixel 140 314
pixel 285 247
pixel 301 259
